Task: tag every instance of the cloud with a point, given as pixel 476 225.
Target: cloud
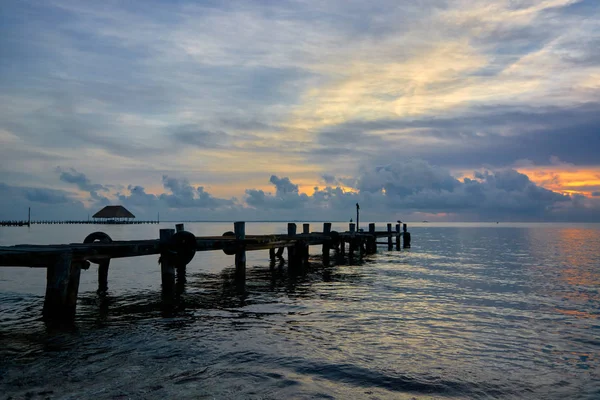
pixel 78 178
pixel 234 92
pixel 183 195
pixel 45 203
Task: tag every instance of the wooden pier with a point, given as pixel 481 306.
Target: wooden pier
pixel 177 248
pixel 75 222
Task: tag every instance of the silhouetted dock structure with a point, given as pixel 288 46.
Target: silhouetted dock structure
pixel 77 222
pixel 109 215
pixel 177 248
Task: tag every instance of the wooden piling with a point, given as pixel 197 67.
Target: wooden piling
pixel 326 245
pixel 352 227
pixel 167 269
pixel 405 237
pixel 181 268
pixel 398 236
pixel 58 304
pixel 239 229
pixel 292 262
pixel 389 241
pixel 371 245
pixel 305 228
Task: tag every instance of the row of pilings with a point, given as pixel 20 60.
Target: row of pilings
pixel 177 248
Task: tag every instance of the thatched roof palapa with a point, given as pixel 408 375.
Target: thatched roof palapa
pixel 113 212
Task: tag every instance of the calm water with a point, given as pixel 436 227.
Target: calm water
pixel 471 311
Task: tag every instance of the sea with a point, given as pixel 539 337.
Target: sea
pixel 471 311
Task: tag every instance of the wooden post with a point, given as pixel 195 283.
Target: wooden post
pixel 239 228
pixel 371 241
pixel 398 236
pixel 326 245
pixel 291 249
pixel 352 227
pixel 279 252
pixel 29 217
pixel 305 228
pixel 167 269
pixel 389 231
pixel 103 277
pixel 181 269
pixel 58 305
pixel 405 237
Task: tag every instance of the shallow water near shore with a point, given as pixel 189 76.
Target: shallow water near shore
pixel 471 311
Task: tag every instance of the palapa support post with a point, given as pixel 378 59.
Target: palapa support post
pixel 292 256
pixel 239 229
pixel 405 237
pixel 326 244
pixel 389 231
pixel 167 269
pixel 62 284
pixel 398 236
pixel 372 240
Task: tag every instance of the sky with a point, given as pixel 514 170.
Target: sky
pixel 439 110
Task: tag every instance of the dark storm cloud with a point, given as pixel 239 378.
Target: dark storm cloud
pixel 183 195
pixel 486 136
pixel 45 203
pixel 283 185
pixel 416 186
pixel 78 178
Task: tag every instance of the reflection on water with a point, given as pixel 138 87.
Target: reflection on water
pixel 468 312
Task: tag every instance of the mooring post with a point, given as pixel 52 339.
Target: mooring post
pixel 58 305
pixel 405 237
pixel 180 267
pixel 239 228
pixel 398 236
pixel 371 241
pixel 167 269
pixel 389 231
pixel 304 247
pixel 272 254
pixel 352 240
pixel 291 231
pixel 326 244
